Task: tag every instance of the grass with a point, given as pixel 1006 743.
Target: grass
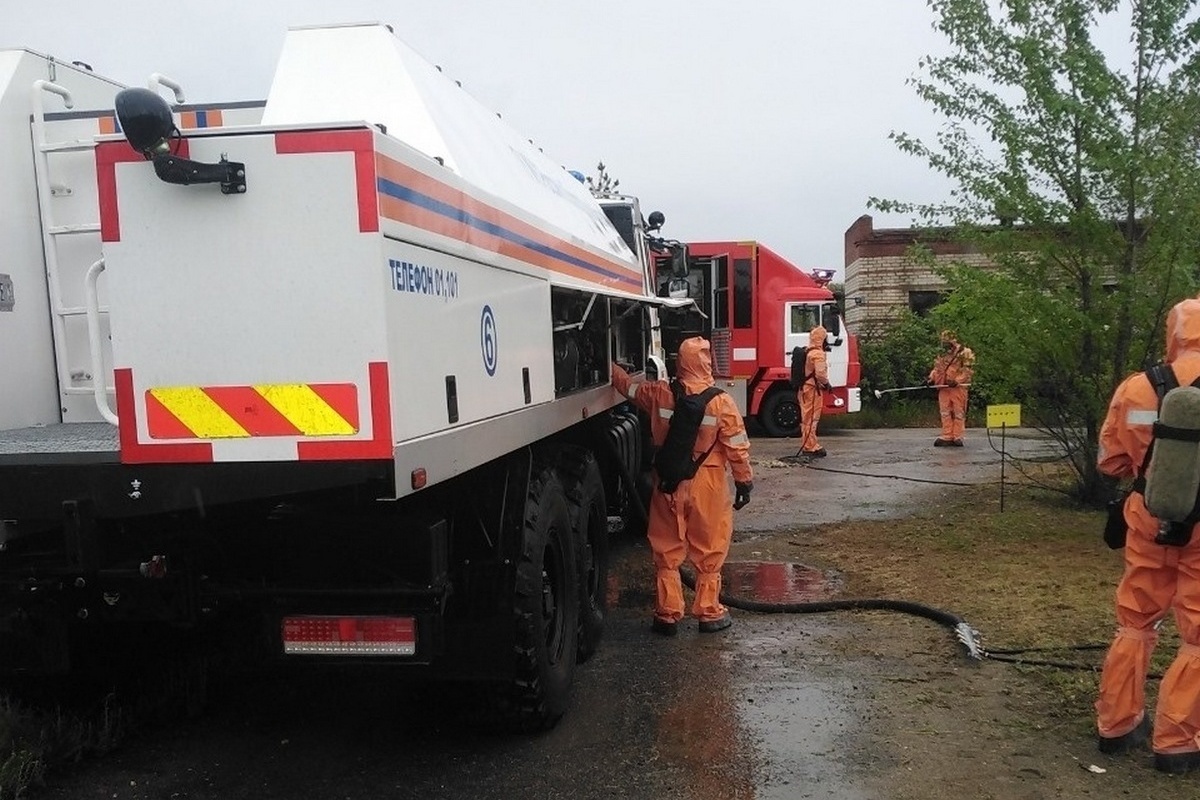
pixel 23 750
pixel 897 413
pixel 58 724
pixel 34 741
pixel 1035 575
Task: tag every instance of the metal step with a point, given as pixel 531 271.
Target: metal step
pixel 75 311
pixel 67 230
pixel 88 390
pixel 75 146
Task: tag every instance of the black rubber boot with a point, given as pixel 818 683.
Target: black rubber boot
pixel 714 625
pixel 1176 763
pixel 1115 745
pixel 664 628
pixel 942 443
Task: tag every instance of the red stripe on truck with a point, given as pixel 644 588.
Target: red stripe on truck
pixel 379 446
pixel 162 423
pixel 108 155
pixel 359 142
pixel 133 451
pixel 341 397
pixel 251 410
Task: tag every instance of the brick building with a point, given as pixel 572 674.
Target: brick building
pixel 882 279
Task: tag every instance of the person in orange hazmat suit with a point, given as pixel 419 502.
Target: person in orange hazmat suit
pixel 816 381
pixel 1157 577
pixel 695 521
pixel 952 369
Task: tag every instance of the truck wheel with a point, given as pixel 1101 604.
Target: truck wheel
pixel 589 518
pixel 780 414
pixel 545 610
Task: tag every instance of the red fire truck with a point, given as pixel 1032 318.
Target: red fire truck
pixel 756 307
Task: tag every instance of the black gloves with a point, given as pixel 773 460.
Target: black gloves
pixel 742 495
pixel 929 381
pixel 826 386
pixel 951 383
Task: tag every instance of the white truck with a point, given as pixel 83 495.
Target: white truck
pixel 340 373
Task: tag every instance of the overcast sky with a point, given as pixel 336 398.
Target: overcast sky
pixel 760 119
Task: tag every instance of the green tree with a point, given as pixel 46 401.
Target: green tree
pixel 1077 175
pixel 901 357
pixel 839 296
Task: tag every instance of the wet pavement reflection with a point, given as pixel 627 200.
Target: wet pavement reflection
pixel 801 713
pixel 775 582
pixel 760 581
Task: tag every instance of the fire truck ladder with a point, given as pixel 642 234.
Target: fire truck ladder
pixel 72 382
pixel 52 236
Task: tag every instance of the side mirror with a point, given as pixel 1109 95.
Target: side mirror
pixel 148 125
pixel 145 119
pixel 655 221
pixel 679 261
pixel 832 322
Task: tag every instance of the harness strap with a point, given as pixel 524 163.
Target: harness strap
pixel 1162 431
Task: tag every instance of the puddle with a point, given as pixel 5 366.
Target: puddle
pixel 761 581
pixel 778 582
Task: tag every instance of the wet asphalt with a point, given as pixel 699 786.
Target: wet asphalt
pixel 764 710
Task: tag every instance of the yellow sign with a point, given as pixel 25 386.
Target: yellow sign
pixel 1004 416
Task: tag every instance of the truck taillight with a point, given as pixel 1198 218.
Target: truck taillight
pixel 363 636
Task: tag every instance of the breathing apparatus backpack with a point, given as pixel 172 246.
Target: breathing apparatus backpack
pixel 673 462
pixel 796 380
pixel 1170 481
pixel 799 361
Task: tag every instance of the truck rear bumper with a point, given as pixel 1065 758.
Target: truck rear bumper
pixel 35 485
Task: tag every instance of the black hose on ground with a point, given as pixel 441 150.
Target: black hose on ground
pixel 965 634
pixel 1012 651
pixel 799 459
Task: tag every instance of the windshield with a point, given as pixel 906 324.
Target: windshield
pixel 805 318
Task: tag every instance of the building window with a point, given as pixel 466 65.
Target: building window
pixel 742 287
pixel 920 303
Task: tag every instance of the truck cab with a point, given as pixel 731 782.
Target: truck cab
pixel 756 308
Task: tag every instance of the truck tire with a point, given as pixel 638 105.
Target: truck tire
pixel 545 610
pixel 779 414
pixel 589 518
